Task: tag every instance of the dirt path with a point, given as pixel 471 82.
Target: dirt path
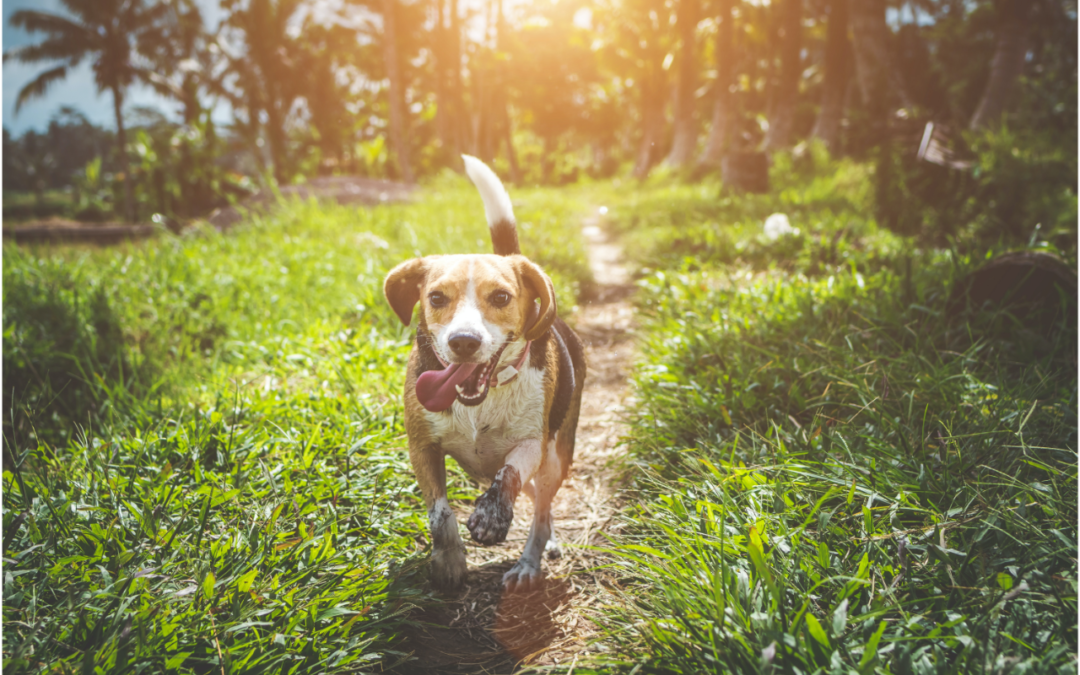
pixel 481 631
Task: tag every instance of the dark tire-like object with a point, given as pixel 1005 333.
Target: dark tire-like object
pixel 1037 288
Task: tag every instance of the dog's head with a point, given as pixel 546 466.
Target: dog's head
pixel 478 309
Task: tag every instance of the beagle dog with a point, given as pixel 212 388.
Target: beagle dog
pixel 494 381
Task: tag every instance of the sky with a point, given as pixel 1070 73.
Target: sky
pixel 77 90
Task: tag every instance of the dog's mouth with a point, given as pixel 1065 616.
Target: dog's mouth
pixel 474 389
pixel 467 382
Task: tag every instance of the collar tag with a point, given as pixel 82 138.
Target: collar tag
pixel 506 374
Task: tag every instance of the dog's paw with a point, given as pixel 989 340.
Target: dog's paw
pixel 494 512
pixel 491 520
pixel 524 576
pixel 448 569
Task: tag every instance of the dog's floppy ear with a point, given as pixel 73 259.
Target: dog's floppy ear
pixel 402 287
pixel 540 285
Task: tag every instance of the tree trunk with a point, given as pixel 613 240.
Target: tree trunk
pixel 685 123
pixel 782 119
pixel 275 132
pixel 1008 62
pixel 457 87
pixel 121 153
pixel 874 68
pixel 482 120
pixel 837 76
pixel 724 114
pixel 399 131
pixel 486 87
pixel 511 154
pixel 443 116
pixel 502 107
pixel 451 119
pixel 652 120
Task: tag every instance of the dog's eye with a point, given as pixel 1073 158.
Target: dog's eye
pixel 437 299
pixel 500 298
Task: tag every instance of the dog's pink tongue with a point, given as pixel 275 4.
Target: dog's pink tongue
pixel 436 389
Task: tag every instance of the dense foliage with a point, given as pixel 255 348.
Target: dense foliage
pixel 552 91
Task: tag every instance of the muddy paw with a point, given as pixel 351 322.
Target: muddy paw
pixel 494 512
pixel 524 576
pixel 448 569
pixel 491 520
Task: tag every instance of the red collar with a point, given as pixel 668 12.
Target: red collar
pixel 493 380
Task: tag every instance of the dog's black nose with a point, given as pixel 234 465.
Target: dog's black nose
pixel 464 344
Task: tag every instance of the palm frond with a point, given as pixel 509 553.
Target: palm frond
pixel 53 49
pixel 159 83
pixel 39 84
pixel 94 12
pixel 34 21
pixel 155 13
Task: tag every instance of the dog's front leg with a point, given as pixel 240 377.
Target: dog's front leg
pixel 527 572
pixel 448 566
pixel 494 511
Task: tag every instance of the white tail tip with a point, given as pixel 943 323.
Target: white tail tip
pixel 497 205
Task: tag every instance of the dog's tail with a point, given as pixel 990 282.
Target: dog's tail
pixel 497 207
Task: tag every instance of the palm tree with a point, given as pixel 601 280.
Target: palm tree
pixel 724 110
pixel 786 92
pixel 399 123
pixel 1010 55
pixel 264 78
pixel 101 30
pixel 684 145
pixel 837 75
pixel 180 59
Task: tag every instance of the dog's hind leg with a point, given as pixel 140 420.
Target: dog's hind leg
pixel 527 572
pixel 448 566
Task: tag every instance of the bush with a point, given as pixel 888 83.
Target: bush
pixel 1022 186
pixel 1026 180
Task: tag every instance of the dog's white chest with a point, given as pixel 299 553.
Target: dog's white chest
pixel 480 437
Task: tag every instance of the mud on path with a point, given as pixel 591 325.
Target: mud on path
pixel 484 631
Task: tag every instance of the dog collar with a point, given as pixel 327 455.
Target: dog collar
pixel 510 370
pixel 507 373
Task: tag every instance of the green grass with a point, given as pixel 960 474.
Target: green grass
pixel 671 224
pixel 828 473
pixel 203 439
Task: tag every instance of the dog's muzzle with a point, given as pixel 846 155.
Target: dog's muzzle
pixel 466 382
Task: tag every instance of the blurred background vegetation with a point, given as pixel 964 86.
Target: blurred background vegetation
pixel 552 91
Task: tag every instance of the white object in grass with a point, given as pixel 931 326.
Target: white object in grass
pixel 778 225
